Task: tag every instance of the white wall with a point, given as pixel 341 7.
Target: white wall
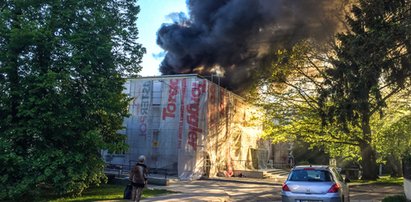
pixel 407 188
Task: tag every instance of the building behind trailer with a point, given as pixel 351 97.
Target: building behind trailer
pixel 192 127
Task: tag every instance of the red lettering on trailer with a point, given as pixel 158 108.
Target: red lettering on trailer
pixel 171 108
pixel 193 110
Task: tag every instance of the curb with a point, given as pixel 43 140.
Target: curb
pixel 243 180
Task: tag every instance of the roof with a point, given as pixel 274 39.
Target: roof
pixel 188 76
pixel 168 76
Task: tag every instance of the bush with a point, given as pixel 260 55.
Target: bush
pixel 397 198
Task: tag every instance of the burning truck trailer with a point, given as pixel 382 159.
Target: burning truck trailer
pixel 191 127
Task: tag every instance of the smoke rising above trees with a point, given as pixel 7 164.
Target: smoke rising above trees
pixel 231 37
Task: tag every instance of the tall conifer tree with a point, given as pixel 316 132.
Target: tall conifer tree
pixel 372 63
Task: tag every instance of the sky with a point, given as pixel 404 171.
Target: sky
pixel 152 15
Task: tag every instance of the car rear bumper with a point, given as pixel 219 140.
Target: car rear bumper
pixel 294 197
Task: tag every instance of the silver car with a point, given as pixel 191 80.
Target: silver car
pixel 314 184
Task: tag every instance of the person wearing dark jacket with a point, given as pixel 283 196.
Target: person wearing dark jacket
pixel 138 178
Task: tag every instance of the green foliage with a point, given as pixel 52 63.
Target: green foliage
pixel 370 59
pixel 372 63
pixel 392 136
pixel 290 96
pixel 331 98
pixel 62 69
pixel 391 132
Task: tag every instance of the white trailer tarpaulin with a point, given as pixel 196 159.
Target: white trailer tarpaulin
pixel 182 122
pixel 194 128
pixel 170 120
pixel 138 124
pixel 191 127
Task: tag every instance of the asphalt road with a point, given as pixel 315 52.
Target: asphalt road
pixel 261 190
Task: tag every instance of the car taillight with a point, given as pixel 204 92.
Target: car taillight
pixel 285 187
pixel 334 188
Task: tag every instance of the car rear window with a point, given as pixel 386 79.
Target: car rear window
pixel 310 175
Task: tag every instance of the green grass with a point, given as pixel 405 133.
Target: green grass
pixel 398 198
pixel 382 180
pixel 105 192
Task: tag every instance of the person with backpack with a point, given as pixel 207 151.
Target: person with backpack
pixel 138 178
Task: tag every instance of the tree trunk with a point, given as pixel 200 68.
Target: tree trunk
pixel 368 163
pixel 395 166
pixel 368 154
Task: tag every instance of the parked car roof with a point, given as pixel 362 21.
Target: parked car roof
pixel 322 167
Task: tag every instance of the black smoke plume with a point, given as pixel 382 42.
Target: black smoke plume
pixel 232 36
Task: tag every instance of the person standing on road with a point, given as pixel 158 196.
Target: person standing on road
pixel 291 162
pixel 138 178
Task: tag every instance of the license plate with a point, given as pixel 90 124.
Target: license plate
pixel 307 201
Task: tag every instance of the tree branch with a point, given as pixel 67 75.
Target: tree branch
pixel 393 92
pixel 306 97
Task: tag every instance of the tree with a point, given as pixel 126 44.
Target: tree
pixel 296 92
pixel 392 139
pixel 372 63
pixel 290 95
pixel 62 70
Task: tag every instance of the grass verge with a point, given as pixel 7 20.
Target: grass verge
pixel 104 192
pixel 382 180
pixel 398 198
